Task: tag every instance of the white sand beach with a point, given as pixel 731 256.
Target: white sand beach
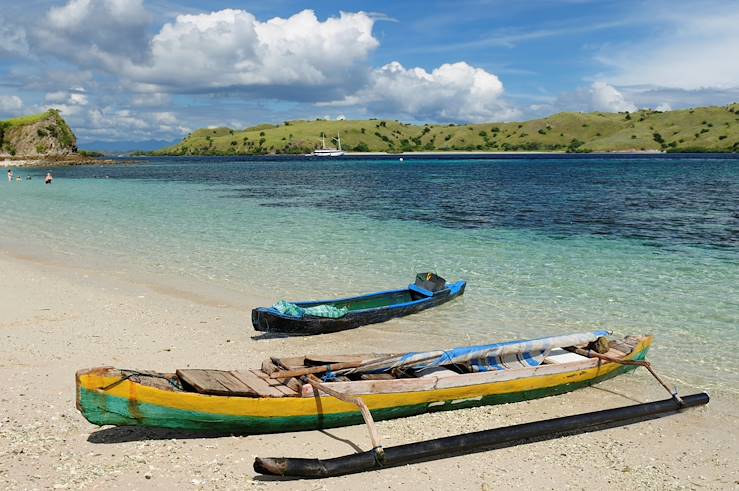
pixel 56 319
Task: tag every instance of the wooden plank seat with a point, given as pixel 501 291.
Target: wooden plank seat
pixel 237 383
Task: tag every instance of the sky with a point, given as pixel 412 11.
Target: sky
pixel 135 70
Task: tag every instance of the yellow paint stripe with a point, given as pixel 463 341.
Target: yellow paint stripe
pixel 299 406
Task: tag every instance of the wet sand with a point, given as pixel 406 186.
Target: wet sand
pixel 56 319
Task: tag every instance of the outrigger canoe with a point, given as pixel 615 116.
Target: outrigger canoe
pixel 324 316
pixel 282 397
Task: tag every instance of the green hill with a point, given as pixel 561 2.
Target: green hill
pixel 45 134
pixel 706 129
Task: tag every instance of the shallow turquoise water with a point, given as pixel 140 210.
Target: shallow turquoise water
pixel 294 240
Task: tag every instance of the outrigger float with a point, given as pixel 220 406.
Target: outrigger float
pixel 479 441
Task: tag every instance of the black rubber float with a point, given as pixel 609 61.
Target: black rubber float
pixel 472 442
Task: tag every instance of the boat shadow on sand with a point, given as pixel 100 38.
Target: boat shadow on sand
pixel 125 434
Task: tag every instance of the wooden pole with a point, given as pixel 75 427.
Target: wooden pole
pixel 366 414
pixel 299 372
pixel 639 363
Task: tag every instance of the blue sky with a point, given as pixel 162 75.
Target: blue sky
pixel 133 70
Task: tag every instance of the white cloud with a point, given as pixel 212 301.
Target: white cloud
pixel 604 97
pixel 75 97
pixel 692 49
pixel 648 96
pixel 231 49
pixel 166 118
pixel 600 96
pixel 664 107
pixel 10 105
pixel 451 92
pixel 12 39
pixel 92 32
pixel 151 99
pixel 224 50
pixel 110 123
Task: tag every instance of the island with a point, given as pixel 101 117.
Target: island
pixel 704 129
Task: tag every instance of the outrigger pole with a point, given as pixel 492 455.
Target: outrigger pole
pixel 474 442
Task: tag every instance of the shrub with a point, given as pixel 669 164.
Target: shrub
pixel 574 145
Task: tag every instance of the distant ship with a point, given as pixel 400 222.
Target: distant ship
pixel 328 152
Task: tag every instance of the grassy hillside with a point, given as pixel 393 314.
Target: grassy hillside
pixel 707 129
pixel 37 135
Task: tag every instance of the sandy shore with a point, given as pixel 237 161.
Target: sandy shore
pixel 56 319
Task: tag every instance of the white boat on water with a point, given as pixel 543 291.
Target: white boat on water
pixel 328 152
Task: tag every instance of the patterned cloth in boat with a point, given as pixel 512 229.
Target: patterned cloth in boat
pixel 323 310
pixel 499 356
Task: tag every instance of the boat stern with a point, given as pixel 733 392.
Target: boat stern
pixel 91 399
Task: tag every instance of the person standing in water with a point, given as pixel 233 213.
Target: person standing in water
pixel 48 178
pixel 10 175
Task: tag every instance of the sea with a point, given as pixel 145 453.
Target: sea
pixel 548 244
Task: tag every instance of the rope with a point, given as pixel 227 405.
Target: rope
pixel 129 374
pixel 640 363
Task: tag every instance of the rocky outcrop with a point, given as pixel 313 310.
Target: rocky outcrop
pixel 40 135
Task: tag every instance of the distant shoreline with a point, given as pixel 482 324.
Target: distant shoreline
pixel 56 161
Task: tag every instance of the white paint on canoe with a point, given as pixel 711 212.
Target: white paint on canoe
pixel 458 401
pixel 367 387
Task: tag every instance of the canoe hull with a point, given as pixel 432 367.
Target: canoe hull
pixel 268 320
pixel 129 403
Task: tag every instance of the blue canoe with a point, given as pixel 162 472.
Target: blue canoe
pixel 364 309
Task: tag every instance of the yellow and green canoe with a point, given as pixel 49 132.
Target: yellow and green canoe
pixel 392 386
